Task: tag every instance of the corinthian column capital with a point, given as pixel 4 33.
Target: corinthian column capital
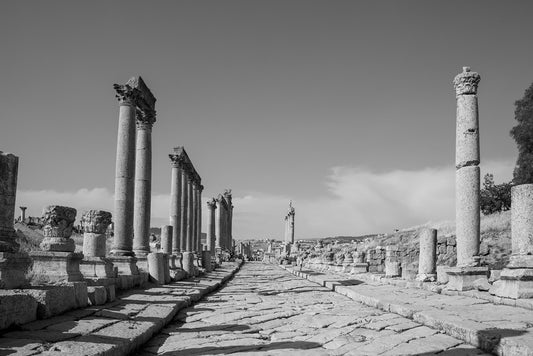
pixel 466 82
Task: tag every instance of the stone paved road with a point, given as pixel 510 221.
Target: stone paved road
pixel 266 310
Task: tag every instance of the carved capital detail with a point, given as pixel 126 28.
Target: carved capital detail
pixel 58 221
pixel 466 82
pixel 145 119
pixel 212 204
pixel 96 221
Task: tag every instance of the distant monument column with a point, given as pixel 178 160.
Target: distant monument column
pixel 143 185
pixel 467 184
pixel 427 260
pixel 13 265
pixel 228 198
pixel 190 215
pixel 516 280
pixel 175 202
pixel 291 223
pixel 211 236
pixel 184 206
pixel 22 213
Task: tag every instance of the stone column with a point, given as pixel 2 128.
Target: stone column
pixel 57 262
pixel 13 265
pixel 94 263
pixel 194 246
pixel 516 280
pixel 210 239
pixel 143 185
pixel 190 215
pixel 156 267
pixel 175 202
pixel 218 224
pixel 392 262
pixel 467 186
pixel 184 207
pixel 427 259
pixel 199 220
pixel 124 175
pixel 22 213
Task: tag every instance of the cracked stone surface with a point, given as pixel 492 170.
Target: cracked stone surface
pixel 266 310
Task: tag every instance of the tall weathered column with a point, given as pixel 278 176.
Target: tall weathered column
pixel 199 220
pixel 291 223
pixel 143 184
pixel 427 259
pixel 516 280
pixel 175 201
pixel 467 186
pixel 124 173
pixel 190 215
pixel 194 245
pixel 228 198
pixel 13 265
pixel 184 206
pixel 211 236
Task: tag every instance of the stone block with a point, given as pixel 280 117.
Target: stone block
pixel 125 265
pixel 442 276
pixel 111 292
pixel 156 267
pixel 97 267
pixel 462 278
pixel 16 308
pixel 392 269
pixel 55 267
pixel 514 284
pixel 97 295
pixel 124 282
pixel 54 300
pixel 494 275
pixel 13 269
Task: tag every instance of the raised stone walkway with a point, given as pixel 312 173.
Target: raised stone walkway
pixel 499 329
pixel 116 328
pixel 265 310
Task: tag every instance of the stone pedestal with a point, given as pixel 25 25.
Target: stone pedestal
pixel 56 267
pixel 166 268
pixel 392 262
pixel 206 261
pixel 188 263
pixel 97 267
pixel 516 280
pixel 156 267
pixel 125 265
pixel 462 278
pixel 360 267
pixel 142 263
pixel 427 262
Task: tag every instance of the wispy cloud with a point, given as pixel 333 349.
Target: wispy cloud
pixel 359 201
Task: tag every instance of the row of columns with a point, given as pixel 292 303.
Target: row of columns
pixel 185 204
pixel 220 216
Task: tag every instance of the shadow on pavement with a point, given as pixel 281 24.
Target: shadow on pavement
pixel 224 350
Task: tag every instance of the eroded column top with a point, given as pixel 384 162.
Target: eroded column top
pixel 466 83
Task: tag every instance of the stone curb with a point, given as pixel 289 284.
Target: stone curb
pixel 500 342
pixel 117 328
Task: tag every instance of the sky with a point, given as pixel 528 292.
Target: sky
pixel 347 108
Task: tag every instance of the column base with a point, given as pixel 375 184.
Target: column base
pixel 97 267
pixel 462 278
pixel 125 265
pixel 514 283
pixel 188 263
pixel 58 244
pixel 107 283
pixel 360 267
pixel 142 263
pixel 156 267
pixel 13 269
pixel 206 261
pixel 426 277
pixel 56 267
pixel 393 269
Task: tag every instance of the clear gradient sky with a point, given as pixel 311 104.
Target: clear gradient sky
pixel 345 107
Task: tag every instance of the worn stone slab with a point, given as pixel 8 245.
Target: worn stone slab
pixel 498 329
pixel 116 328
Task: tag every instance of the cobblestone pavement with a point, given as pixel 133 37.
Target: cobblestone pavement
pixel 266 310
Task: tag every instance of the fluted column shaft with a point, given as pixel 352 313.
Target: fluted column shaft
pixel 210 238
pixel 143 189
pixel 124 184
